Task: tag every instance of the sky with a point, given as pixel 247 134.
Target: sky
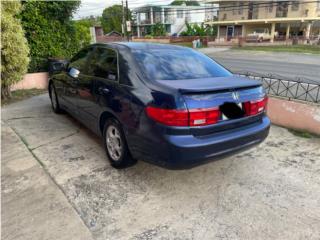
pixel 95 7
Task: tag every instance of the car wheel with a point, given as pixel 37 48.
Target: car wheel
pixel 261 40
pixel 115 145
pixel 54 99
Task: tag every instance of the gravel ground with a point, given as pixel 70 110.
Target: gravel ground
pixel 268 192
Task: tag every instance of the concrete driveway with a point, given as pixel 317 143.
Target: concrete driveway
pixel 269 192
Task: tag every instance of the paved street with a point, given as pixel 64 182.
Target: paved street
pixel 286 65
pixel 268 192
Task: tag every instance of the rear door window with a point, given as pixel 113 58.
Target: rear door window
pixel 172 64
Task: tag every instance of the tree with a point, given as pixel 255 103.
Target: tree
pixel 187 2
pixel 50 31
pixel 112 18
pixel 158 29
pixel 83 31
pixel 14 47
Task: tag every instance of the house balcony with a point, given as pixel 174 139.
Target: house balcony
pixel 168 19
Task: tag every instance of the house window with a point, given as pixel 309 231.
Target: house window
pixel 270 7
pixel 179 13
pixel 234 9
pixel 295 6
pixel 224 16
pixel 282 9
pixel 240 9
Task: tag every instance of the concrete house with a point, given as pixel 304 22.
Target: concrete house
pixel 280 19
pixel 173 17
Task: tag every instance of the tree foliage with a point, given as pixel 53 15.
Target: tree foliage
pixel 158 29
pixel 50 31
pixel 14 47
pixel 112 18
pixel 198 30
pixel 186 2
pixel 83 31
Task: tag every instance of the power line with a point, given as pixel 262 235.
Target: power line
pixel 231 8
pixel 170 12
pixel 204 9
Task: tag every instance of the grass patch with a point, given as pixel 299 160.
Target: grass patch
pixel 303 134
pixel 186 44
pixel 314 49
pixel 19 95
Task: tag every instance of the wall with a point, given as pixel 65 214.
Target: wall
pixel 32 80
pixel 105 39
pixel 151 40
pixel 296 115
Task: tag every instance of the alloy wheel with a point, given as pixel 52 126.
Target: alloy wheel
pixel 114 143
pixel 53 97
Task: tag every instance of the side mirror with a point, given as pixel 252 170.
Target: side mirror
pixel 73 72
pixel 57 65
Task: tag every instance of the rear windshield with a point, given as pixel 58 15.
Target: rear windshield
pixel 168 64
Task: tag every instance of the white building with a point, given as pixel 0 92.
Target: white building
pixel 171 16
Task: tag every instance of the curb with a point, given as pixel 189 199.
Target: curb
pixel 296 115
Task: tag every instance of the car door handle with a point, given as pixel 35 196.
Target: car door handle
pixel 102 90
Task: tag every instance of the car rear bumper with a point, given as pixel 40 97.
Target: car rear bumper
pixel 187 151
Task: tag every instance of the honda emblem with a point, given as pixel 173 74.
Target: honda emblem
pixel 235 96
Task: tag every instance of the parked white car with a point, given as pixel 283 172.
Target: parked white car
pixel 259 35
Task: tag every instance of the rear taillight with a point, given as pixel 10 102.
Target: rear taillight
pixel 168 117
pixel 255 107
pixel 193 117
pixel 200 117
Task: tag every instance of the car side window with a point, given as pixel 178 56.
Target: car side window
pixel 104 64
pixel 79 61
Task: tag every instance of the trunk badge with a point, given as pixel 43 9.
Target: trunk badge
pixel 235 96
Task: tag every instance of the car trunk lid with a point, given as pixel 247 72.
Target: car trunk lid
pixel 210 84
pixel 227 93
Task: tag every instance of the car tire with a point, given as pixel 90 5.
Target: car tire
pixel 54 99
pixel 115 145
pixel 261 40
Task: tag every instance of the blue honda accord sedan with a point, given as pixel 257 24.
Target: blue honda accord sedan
pixel 164 104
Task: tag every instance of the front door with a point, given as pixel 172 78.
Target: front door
pixel 230 32
pixel 100 84
pixel 75 73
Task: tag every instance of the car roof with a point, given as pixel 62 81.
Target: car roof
pixel 143 45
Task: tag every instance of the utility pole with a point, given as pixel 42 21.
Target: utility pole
pixel 124 32
pixel 127 19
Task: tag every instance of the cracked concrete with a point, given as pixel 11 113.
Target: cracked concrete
pixel 268 192
pixel 33 207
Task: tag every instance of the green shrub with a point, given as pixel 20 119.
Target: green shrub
pixel 199 30
pixel 50 31
pixel 14 47
pixel 158 29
